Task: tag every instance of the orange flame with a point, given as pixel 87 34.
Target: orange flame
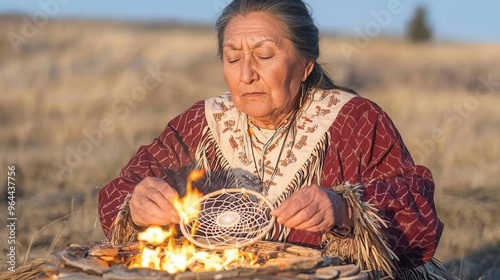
pixel 158 249
pixel 187 206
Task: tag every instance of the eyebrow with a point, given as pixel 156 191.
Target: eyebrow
pixel 258 44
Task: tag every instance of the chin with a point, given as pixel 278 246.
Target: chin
pixel 255 111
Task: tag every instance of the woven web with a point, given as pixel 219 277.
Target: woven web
pixel 230 218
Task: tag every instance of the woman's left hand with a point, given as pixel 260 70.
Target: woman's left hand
pixel 312 208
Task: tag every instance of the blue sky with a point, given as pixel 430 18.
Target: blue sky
pixel 469 21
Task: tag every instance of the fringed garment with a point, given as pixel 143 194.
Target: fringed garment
pixel 336 140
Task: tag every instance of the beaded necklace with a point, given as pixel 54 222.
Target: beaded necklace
pixel 268 146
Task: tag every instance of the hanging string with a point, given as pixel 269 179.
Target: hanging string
pixel 262 170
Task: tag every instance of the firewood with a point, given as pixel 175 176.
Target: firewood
pixel 348 270
pixel 278 261
pixel 292 262
pixel 121 272
pixel 77 276
pixel 284 247
pixel 228 274
pixel 75 256
pixel 106 252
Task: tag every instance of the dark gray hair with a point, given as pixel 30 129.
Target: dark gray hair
pixel 300 29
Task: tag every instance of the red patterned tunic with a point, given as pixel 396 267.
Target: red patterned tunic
pixel 364 147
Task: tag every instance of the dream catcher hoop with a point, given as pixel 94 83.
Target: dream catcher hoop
pixel 230 218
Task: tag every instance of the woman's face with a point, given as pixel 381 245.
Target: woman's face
pixel 262 69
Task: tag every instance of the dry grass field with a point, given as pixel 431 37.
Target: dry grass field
pixel 79 98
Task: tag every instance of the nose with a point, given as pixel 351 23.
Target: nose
pixel 248 71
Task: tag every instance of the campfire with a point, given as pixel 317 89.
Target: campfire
pixel 161 254
pixel 158 250
pixel 273 261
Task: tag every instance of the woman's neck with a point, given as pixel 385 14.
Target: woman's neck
pixel 272 124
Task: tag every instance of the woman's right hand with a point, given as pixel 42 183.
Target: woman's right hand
pixel 152 203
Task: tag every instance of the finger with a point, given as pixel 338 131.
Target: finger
pixel 313 213
pixel 164 188
pixel 307 216
pixel 153 183
pixel 286 211
pixel 163 195
pixel 149 204
pixel 137 213
pixel 314 224
pixel 317 216
pixel 149 213
pixel 156 196
pixel 157 216
pixel 293 205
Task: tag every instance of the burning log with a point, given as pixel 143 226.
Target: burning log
pixel 275 261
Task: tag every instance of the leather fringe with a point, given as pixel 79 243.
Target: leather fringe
pixel 367 247
pixel 123 229
pixel 433 270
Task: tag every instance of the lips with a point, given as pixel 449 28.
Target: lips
pixel 253 94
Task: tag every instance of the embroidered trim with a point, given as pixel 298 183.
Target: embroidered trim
pixel 309 127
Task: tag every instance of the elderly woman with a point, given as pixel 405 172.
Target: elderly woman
pixel 332 162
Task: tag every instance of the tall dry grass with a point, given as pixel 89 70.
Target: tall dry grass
pixel 75 78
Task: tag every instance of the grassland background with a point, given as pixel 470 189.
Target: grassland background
pixel 73 75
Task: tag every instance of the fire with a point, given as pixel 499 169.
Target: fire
pixel 158 248
pixel 187 206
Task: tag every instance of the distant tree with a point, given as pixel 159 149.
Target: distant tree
pixel 418 28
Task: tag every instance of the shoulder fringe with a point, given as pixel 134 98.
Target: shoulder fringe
pixel 366 246
pixel 123 229
pixel 219 173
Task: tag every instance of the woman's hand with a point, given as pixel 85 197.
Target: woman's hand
pixel 312 208
pixel 152 203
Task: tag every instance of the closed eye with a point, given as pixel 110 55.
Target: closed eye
pixel 232 61
pixel 266 57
